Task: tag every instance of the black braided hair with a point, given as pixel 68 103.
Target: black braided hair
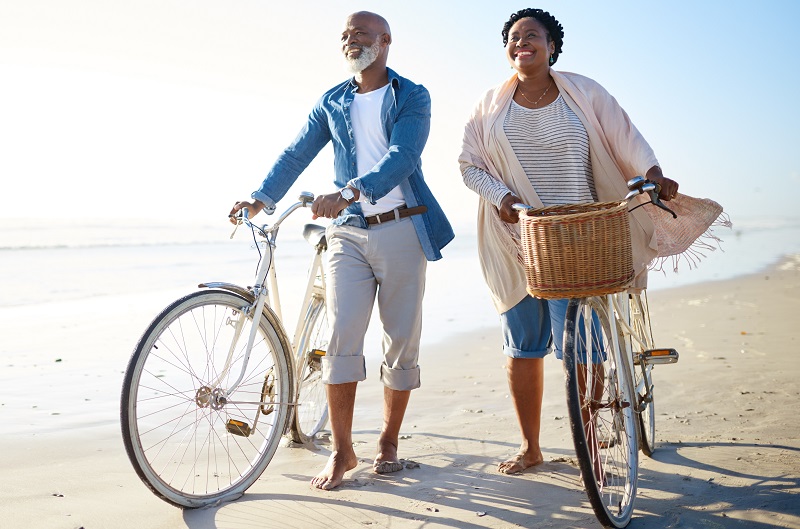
pixel 555 32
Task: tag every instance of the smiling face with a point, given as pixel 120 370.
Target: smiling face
pixel 529 46
pixel 365 41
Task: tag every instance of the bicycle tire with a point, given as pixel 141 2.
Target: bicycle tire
pixel 603 423
pixel 311 414
pixel 177 432
pixel 640 322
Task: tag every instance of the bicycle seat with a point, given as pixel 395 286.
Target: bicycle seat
pixel 315 235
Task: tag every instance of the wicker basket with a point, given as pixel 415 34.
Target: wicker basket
pixel 577 250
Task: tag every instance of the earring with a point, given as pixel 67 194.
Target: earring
pixel 551 60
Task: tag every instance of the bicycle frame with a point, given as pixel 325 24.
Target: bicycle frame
pixel 623 317
pixel 263 298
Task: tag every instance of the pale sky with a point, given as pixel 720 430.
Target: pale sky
pixel 179 107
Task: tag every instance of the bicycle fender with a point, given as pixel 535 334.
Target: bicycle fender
pixel 230 287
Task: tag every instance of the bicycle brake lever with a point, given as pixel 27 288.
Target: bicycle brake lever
pixel 657 201
pixel 242 216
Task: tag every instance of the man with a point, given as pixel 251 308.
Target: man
pixel 387 226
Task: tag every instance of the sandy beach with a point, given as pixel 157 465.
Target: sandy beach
pixel 728 452
pixel 129 129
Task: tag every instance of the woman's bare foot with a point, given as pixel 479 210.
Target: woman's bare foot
pixel 333 473
pixel 386 460
pixel 520 462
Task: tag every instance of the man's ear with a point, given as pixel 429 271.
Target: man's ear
pixel 386 38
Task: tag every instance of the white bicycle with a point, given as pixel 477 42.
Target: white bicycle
pixel 215 382
pixel 608 368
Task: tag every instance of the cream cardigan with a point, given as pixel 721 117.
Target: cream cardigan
pixel 618 152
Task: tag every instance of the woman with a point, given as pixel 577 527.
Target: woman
pixel 542 138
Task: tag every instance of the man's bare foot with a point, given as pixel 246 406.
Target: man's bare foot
pixel 333 473
pixel 520 462
pixel 386 460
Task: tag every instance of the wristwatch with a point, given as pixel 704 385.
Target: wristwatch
pixel 347 194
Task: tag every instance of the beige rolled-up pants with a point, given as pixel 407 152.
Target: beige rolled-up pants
pixel 387 261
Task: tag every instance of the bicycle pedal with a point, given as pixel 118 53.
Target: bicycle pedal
pixel 238 428
pixel 316 353
pixel 659 356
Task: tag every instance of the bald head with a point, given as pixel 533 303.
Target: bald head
pixel 373 20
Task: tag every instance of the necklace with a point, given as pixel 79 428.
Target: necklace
pixel 534 103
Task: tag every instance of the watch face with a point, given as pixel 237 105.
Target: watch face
pixel 347 194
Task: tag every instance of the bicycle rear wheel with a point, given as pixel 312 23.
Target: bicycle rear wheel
pixel 311 414
pixel 602 417
pixel 189 441
pixel 643 374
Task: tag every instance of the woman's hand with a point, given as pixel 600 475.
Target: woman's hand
pixel 253 209
pixel 507 212
pixel 669 188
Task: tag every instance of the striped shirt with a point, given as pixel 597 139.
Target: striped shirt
pixel 552 147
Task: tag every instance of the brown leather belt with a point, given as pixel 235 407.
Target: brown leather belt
pixel 396 214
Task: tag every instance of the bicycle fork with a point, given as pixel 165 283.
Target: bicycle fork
pixel 218 397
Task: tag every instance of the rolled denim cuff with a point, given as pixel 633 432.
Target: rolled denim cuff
pixel 356 184
pixel 400 379
pixel 343 369
pixel 269 204
pixel 513 352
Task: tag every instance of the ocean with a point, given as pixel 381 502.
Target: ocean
pixel 77 295
pixel 69 260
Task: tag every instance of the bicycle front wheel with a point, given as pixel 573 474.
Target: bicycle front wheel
pixel 190 440
pixel 311 414
pixel 600 403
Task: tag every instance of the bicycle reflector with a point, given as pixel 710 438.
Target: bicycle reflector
pixel 238 427
pixel 659 356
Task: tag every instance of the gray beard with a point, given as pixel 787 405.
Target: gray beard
pixel 366 57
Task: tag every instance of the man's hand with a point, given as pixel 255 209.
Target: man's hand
pixel 508 213
pixel 253 208
pixel 328 206
pixel 669 188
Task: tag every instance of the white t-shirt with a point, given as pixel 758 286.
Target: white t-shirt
pixel 371 146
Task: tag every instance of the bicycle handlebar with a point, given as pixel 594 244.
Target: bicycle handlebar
pixel 639 185
pixel 242 216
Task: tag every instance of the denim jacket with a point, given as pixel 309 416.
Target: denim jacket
pixel 406 119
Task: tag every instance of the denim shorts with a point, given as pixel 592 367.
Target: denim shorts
pixel 534 327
